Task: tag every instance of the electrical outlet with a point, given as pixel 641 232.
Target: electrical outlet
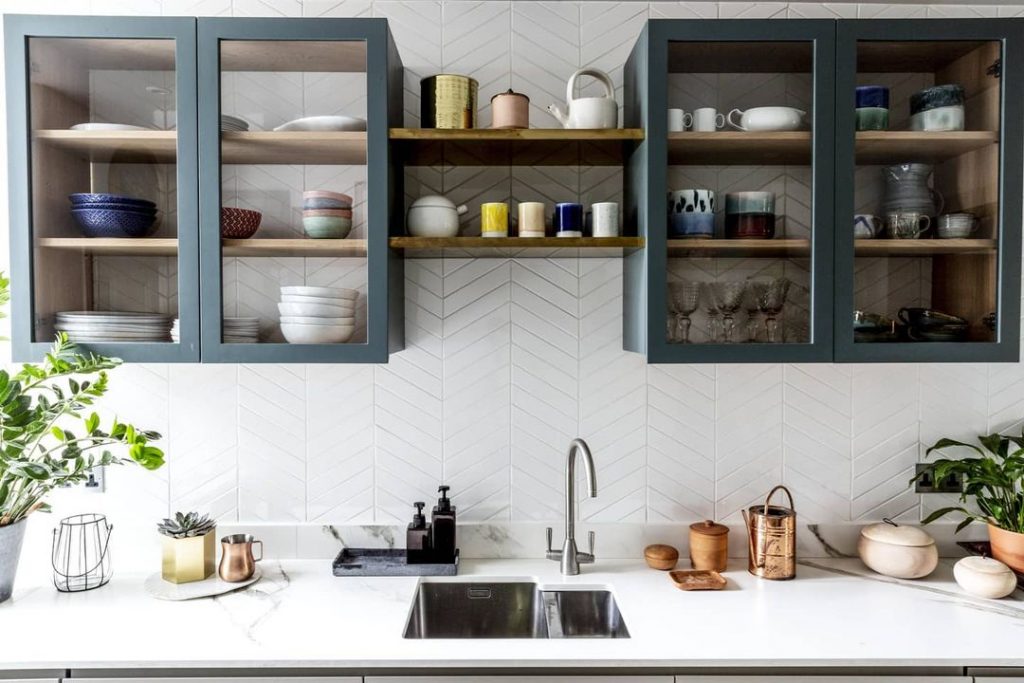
pixel 97 481
pixel 954 483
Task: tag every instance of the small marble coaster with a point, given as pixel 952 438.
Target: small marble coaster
pixel 165 590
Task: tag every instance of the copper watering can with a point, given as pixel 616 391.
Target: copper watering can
pixel 771 534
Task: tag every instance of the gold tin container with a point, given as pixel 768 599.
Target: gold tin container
pixel 188 559
pixel 709 546
pixel 448 101
pixel 771 534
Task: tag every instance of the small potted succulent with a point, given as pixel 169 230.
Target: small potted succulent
pixel 995 480
pixel 188 547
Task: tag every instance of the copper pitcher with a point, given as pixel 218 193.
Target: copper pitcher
pixel 771 534
pixel 236 560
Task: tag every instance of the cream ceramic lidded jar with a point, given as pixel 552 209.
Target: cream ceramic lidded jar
pixel 899 551
pixel 984 577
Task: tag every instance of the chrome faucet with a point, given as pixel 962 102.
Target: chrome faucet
pixel 569 556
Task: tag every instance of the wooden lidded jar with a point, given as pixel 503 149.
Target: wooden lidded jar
pixel 709 545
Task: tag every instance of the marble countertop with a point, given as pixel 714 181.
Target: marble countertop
pixel 835 613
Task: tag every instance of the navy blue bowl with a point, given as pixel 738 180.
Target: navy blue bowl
pixel 116 207
pixel 114 223
pixel 872 96
pixel 87 198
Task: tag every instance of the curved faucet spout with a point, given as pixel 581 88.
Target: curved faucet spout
pixel 570 556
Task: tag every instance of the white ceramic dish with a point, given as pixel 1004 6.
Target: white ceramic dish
pixel 315 310
pixel 324 123
pixel 307 320
pixel 984 577
pixel 327 301
pixel 106 126
pixel 296 333
pixel 898 550
pixel 320 292
pixel 768 118
pixel 165 590
pixel 434 216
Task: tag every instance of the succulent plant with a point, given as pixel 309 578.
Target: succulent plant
pixel 186 525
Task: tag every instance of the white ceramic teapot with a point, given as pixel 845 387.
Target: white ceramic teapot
pixel 588 112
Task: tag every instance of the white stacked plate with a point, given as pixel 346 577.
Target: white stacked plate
pixel 233 124
pixel 89 327
pixel 175 332
pixel 241 330
pixel 317 315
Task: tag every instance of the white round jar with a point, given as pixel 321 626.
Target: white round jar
pixel 899 551
pixel 984 577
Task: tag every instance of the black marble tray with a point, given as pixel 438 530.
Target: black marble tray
pixel 386 562
pixel 984 548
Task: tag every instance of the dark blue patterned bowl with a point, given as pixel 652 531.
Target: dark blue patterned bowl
pixel 116 207
pixel 114 222
pixel 82 199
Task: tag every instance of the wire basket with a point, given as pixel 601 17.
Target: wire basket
pixel 81 553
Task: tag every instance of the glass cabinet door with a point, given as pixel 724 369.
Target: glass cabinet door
pixel 929 206
pixel 104 228
pixel 287 133
pixel 746 116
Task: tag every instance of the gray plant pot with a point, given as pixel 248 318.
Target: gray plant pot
pixel 10 550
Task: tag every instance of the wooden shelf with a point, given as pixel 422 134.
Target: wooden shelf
pixel 515 247
pixel 725 248
pixel 254 147
pixel 881 146
pixel 523 147
pixel 738 147
pixel 886 247
pixel 112 246
pixel 346 248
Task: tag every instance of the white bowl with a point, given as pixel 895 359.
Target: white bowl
pixel 321 300
pixel 307 320
pixel 296 333
pixel 315 310
pixel 324 292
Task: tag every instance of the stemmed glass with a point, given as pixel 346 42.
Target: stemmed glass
pixel 728 299
pixel 771 303
pixel 684 297
pixel 752 303
pixel 711 308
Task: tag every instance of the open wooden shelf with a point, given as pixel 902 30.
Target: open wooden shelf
pixel 515 247
pixel 726 248
pixel 253 147
pixel 887 247
pixel 517 147
pixel 151 246
pixel 739 147
pixel 883 146
pixel 113 246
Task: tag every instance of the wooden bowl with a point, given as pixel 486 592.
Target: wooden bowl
pixel 663 557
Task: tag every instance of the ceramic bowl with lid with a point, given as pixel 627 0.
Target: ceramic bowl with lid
pixel 985 577
pixel 434 216
pixel 898 550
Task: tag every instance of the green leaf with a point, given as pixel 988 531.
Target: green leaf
pixel 58 433
pixel 92 423
pixel 942 512
pixel 949 443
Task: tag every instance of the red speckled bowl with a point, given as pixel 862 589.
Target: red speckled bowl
pixel 239 224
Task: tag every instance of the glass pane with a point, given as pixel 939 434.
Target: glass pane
pixel 926 191
pixel 739 192
pixel 104 189
pixel 293 191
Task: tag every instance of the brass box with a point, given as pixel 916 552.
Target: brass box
pixel 189 559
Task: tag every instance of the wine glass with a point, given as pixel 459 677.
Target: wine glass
pixel 711 308
pixel 752 303
pixel 684 297
pixel 728 299
pixel 771 303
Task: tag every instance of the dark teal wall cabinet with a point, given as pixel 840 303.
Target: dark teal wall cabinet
pixel 895 239
pixel 138 72
pixel 967 267
pixel 752 282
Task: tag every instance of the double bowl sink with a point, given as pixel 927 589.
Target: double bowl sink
pixel 512 609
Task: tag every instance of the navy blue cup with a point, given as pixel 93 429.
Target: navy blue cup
pixel 568 217
pixel 872 96
pixel 692 224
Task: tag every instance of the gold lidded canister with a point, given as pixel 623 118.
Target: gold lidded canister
pixel 771 535
pixel 448 101
pixel 709 546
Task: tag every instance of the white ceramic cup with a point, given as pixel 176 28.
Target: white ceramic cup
pixel 605 219
pixel 707 119
pixel 531 219
pixel 678 120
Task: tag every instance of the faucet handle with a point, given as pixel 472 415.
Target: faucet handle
pixel 552 554
pixel 548 533
pixel 590 542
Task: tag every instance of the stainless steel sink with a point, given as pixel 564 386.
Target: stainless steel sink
pixel 512 609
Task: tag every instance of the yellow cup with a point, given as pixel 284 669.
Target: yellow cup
pixel 494 219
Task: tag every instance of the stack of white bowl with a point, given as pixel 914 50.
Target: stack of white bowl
pixel 241 330
pixel 175 332
pixel 317 315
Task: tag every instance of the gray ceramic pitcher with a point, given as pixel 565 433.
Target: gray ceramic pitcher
pixel 906 189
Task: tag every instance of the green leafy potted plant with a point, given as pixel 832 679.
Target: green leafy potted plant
pixel 188 547
pixel 995 480
pixel 48 440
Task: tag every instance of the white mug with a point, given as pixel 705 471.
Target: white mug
pixel 605 219
pixel 707 119
pixel 678 120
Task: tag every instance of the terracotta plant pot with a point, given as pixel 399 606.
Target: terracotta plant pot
pixel 1007 547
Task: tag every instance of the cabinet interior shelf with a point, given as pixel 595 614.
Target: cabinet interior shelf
pixel 252 147
pixel 782 248
pixel 925 247
pixel 794 147
pixel 515 247
pixel 516 147
pixel 350 248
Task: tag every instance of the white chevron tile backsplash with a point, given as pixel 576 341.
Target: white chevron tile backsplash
pixel 507 360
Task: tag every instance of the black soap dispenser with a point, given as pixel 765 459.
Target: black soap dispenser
pixel 442 529
pixel 417 538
